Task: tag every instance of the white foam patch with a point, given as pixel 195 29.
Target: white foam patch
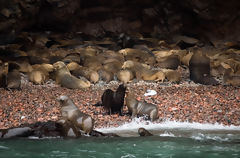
pixel 167 125
pixel 167 134
pixel 201 136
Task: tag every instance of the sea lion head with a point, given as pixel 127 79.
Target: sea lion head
pixel 59 65
pixel 64 100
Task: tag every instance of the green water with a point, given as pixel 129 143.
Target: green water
pixel 139 147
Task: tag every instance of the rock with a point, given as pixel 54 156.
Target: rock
pixel 18 132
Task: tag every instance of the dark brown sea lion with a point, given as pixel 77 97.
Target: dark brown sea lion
pixel 3 74
pixel 144 132
pixel 13 77
pixel 65 79
pixel 70 112
pixel 199 67
pixel 113 101
pixel 136 107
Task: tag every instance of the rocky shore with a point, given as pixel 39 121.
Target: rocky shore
pixel 181 102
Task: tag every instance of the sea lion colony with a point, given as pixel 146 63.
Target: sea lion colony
pixel 81 64
pixel 91 63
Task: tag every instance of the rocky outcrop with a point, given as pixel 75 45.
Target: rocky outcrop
pixel 209 20
pixel 44 130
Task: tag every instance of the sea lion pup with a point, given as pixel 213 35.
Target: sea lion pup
pixel 113 101
pixel 141 71
pixel 40 73
pixel 65 79
pixel 125 76
pixel 13 77
pixel 199 67
pixel 143 132
pixel 136 107
pixel 70 112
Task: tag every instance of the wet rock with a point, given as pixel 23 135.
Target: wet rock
pixel 17 132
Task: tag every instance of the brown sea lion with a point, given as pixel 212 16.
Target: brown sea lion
pixel 172 75
pixel 113 101
pixel 75 57
pixel 141 71
pixel 79 71
pixel 113 66
pixel 169 62
pixel 92 62
pixel 136 107
pixel 105 75
pixel 125 76
pixel 70 112
pixel 65 79
pixel 230 78
pixel 40 73
pixel 144 132
pixel 138 55
pixel 199 67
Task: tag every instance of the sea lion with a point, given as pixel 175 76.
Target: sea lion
pixel 138 55
pixel 143 72
pixel 92 62
pixel 144 132
pixel 3 74
pixel 105 75
pixel 172 75
pixel 75 57
pixel 125 76
pixel 79 71
pixel 65 79
pixel 13 77
pixel 230 78
pixel 170 62
pixel 136 107
pixel 113 101
pixel 70 112
pixel 199 67
pixel 40 73
pixel 151 75
pixel 113 66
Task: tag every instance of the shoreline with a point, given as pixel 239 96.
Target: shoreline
pixel 184 102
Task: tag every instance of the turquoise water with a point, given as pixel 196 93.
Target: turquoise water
pixel 131 147
pixel 171 140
